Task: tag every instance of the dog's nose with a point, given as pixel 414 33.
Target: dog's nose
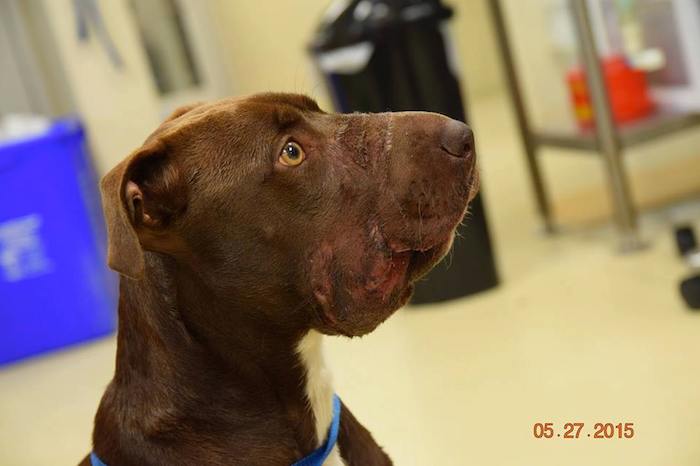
pixel 457 139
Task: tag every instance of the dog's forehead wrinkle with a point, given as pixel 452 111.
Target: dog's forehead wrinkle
pixel 299 101
pixel 291 105
pixel 198 115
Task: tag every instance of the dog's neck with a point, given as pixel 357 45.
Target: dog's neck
pixel 259 385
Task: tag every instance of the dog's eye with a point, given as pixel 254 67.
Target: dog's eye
pixel 292 154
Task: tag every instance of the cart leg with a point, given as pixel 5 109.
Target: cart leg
pixel 533 166
pixel 529 143
pixel 608 139
pixel 623 204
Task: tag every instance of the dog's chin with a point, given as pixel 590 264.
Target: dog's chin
pixel 361 322
pixel 359 310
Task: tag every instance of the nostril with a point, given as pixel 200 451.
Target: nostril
pixel 466 150
pixel 457 139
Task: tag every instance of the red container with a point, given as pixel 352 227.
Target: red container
pixel 627 90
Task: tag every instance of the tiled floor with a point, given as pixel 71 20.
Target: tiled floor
pixel 576 333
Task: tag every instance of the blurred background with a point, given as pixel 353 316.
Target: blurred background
pixel 569 297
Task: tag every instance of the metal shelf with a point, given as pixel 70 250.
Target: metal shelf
pixel 607 139
pixel 661 123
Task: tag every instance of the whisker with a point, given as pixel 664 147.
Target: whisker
pixel 450 257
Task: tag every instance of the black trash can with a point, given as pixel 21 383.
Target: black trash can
pixel 394 55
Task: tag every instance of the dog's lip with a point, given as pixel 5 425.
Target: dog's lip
pixel 398 247
pixel 422 257
pixel 422 261
pixel 408 263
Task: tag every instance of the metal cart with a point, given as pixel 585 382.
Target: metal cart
pixel 608 139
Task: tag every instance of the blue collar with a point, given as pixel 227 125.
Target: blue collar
pixel 95 461
pixel 316 458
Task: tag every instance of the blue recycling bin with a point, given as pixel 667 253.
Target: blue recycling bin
pixel 55 287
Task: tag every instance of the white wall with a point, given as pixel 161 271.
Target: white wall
pixel 267 43
pixel 119 106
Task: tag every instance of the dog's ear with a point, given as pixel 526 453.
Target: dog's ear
pixel 141 197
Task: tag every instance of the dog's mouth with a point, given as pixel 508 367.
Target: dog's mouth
pixel 357 301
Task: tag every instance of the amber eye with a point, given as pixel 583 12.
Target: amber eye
pixel 292 154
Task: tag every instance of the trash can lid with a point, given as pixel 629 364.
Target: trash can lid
pixel 348 22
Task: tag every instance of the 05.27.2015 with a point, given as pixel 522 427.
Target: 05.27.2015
pixel 574 430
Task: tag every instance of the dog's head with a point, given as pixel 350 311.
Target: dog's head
pixel 291 214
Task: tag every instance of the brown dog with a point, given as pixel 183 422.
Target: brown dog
pixel 244 230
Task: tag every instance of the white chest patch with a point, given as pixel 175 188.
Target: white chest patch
pixel 319 389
